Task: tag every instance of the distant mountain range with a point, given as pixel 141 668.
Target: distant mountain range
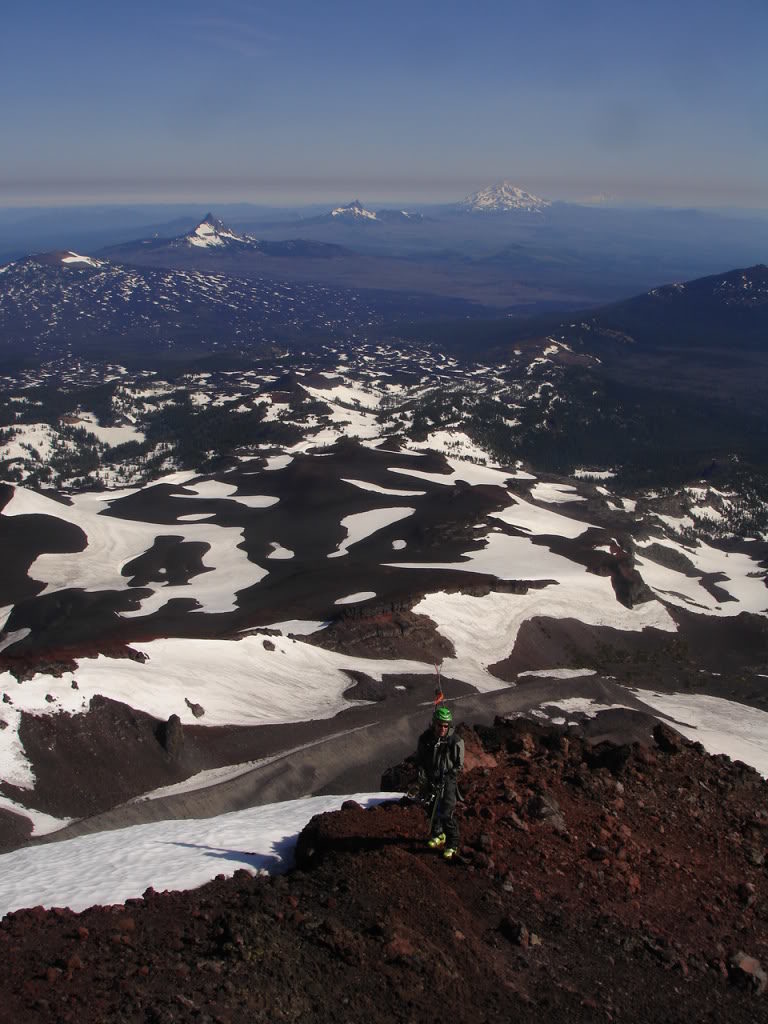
pixel 65 303
pixel 503 197
pixel 356 213
pixel 211 235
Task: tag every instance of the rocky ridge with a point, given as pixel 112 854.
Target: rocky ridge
pixel 596 881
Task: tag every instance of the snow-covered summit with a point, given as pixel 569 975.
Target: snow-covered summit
pixel 212 232
pixel 502 197
pixel 353 211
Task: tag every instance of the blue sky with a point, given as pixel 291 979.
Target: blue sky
pixel 300 101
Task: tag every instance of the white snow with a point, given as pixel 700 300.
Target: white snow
pixel 594 474
pixel 14 766
pixel 376 489
pixel 508 558
pixel 219 489
pixel 278 551
pixel 722 726
pixel 300 627
pixel 540 521
pixel 42 824
pixel 354 210
pixel 745 579
pixel 455 443
pixel 484 629
pixel 459 470
pixel 275 462
pixel 504 196
pixel 580 705
pixel 557 673
pixel 207 235
pixel 349 393
pixel 109 435
pixel 363 524
pixel 73 257
pixel 14 636
pixel 41 437
pixel 113 543
pixel 363 595
pixel 555 494
pixel 237 682
pixel 111 867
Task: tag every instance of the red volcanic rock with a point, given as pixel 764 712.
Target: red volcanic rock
pixel 475 756
pixel 747 972
pixel 667 739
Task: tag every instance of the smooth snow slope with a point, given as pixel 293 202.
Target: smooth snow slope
pixel 111 867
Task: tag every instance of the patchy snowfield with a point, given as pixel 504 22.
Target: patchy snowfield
pixel 467 472
pixel 109 435
pixel 484 629
pixel 364 524
pixel 454 443
pixel 113 543
pixel 539 521
pixel 236 682
pixel 740 576
pixel 238 559
pixel 28 438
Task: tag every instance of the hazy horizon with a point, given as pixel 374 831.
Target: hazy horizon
pixel 329 200
pixel 294 104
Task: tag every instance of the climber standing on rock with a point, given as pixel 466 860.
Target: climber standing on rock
pixel 440 757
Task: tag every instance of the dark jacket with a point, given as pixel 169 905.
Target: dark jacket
pixel 440 758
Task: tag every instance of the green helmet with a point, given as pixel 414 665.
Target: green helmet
pixel 442 715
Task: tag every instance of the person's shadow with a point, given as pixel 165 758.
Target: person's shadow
pixel 280 859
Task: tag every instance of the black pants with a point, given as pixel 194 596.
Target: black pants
pixel 445 819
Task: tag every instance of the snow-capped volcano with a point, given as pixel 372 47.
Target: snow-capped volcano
pixel 211 232
pixel 353 211
pixel 502 197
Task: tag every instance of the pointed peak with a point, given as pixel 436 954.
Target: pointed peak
pixel 213 232
pixel 353 211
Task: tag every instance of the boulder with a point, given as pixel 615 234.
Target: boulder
pixel 747 972
pixel 667 739
pixel 172 737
